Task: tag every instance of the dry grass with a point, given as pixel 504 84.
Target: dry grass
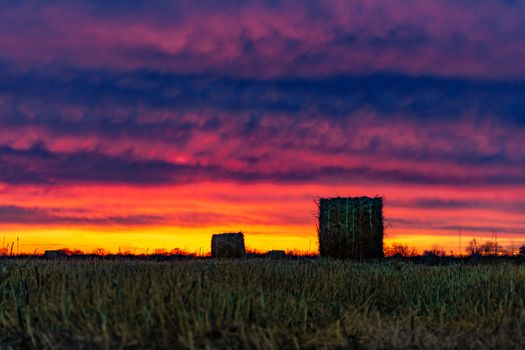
pixel 259 304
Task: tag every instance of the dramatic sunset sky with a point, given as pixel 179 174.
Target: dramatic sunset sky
pixel 139 124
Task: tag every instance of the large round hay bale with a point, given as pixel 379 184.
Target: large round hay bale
pixel 227 245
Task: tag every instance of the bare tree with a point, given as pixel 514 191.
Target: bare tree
pixel 473 247
pixel 400 249
pixel 522 250
pixel 490 248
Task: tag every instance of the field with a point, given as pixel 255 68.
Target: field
pixel 259 304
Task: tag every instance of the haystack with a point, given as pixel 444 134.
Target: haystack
pixel 51 254
pixel 227 245
pixel 351 227
pixel 276 254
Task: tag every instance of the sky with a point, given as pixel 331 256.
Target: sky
pixel 136 125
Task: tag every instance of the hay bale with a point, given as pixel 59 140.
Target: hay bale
pixel 227 245
pixel 276 254
pixel 351 227
pixel 51 254
pixel 430 258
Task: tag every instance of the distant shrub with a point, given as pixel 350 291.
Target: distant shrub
pixel 400 250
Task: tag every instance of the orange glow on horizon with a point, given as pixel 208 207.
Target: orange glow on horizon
pixel 142 219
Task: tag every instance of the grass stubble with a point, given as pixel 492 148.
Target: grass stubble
pixel 259 304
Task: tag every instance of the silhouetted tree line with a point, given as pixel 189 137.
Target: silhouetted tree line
pixel 474 247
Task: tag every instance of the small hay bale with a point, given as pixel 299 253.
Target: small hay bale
pixel 351 227
pixel 51 254
pixel 276 254
pixel 227 245
pixel 430 258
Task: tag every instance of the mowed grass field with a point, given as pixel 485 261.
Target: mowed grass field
pixel 259 304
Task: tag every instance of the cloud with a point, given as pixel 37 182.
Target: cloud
pixel 147 128
pixel 37 165
pixel 512 206
pixel 77 217
pixel 101 97
pixel 420 119
pixel 269 38
pixel 11 214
